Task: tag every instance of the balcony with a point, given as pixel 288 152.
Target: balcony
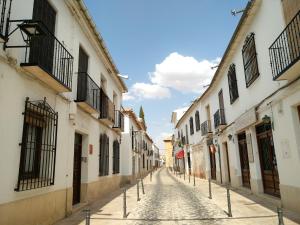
pixel 5 6
pixel 206 128
pixel 47 59
pixel 119 121
pixel 107 109
pixel 219 119
pixel 88 94
pixel 285 52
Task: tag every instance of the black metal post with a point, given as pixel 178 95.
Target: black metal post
pixel 194 179
pixel 209 188
pixel 143 186
pixel 138 191
pixel 280 216
pixel 124 204
pixel 228 202
pixel 87 216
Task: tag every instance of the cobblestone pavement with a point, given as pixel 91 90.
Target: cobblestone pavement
pixel 171 200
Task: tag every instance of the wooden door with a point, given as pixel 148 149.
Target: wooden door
pixel 244 160
pixel 268 161
pixel 213 167
pixel 42 48
pixel 77 168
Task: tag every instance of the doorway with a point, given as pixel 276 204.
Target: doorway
pixel 227 161
pixel 267 158
pixel 244 160
pixel 213 167
pixel 77 168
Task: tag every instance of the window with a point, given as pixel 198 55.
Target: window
pixel 232 83
pixel 104 155
pixel 116 157
pixel 197 120
pixel 191 126
pixel 250 60
pixel 38 147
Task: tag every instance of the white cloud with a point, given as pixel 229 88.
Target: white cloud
pixel 148 91
pixel 183 73
pixel 127 96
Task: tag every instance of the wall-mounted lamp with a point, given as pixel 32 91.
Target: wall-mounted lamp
pixel 31 28
pixel 266 119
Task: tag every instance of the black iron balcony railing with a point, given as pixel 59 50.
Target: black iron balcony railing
pixel 107 108
pixel 5 6
pixel 119 120
pixel 45 54
pixel 205 127
pixel 88 93
pixel 219 118
pixel 285 50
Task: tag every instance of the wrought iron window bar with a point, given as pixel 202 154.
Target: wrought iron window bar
pixel 5 10
pixel 104 155
pixel 88 91
pixel 38 147
pixel 219 118
pixel 119 120
pixel 116 157
pixel 107 108
pixel 285 50
pixel 54 59
pixel 206 128
pixel 232 83
pixel 250 60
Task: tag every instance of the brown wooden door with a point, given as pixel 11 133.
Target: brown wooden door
pixel 244 160
pixel 42 48
pixel 213 166
pixel 77 168
pixel 268 161
pixel 228 164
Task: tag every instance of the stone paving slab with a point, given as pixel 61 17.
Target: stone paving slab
pixel 170 200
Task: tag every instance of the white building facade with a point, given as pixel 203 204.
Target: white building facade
pixel 244 129
pixel 60 117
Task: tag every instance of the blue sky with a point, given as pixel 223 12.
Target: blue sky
pixel 167 48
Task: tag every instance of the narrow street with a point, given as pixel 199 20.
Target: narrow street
pixel 170 199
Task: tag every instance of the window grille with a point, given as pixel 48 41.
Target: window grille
pixel 38 147
pixel 191 126
pixel 116 157
pixel 232 83
pixel 104 155
pixel 250 60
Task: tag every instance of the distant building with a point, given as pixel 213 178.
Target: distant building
pixel 168 152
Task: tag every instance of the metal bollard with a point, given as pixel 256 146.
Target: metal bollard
pixel 87 216
pixel 194 180
pixel 150 176
pixel 143 186
pixel 280 216
pixel 124 204
pixel 138 191
pixel 228 202
pixel 209 188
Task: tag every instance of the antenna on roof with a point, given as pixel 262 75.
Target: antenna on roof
pixel 234 12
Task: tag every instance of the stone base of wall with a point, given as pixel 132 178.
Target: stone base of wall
pixel 43 209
